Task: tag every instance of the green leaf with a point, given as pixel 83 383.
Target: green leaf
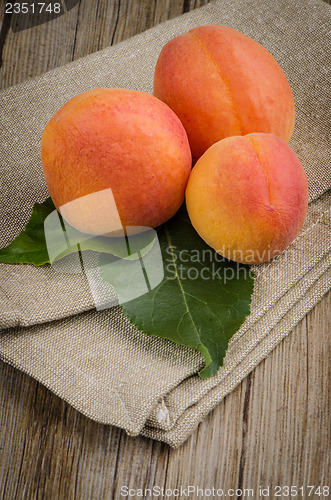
pixel 173 286
pixel 30 246
pixel 201 301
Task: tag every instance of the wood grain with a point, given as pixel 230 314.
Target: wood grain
pixel 273 429
pixel 89 26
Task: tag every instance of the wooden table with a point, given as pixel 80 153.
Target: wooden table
pixel 273 429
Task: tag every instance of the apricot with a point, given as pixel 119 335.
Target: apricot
pixel 115 157
pixel 221 83
pixel 247 197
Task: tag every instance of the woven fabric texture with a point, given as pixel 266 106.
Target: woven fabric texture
pixel 96 360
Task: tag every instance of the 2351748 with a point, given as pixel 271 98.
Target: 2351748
pixel 32 7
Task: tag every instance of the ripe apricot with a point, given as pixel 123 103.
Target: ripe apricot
pixel 221 83
pixel 247 197
pixel 115 157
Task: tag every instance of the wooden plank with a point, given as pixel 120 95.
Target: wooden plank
pixel 29 52
pixel 87 27
pixel 274 428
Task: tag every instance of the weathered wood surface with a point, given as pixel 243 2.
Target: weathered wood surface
pixel 273 429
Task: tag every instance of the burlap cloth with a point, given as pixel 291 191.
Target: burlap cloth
pixel 96 360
